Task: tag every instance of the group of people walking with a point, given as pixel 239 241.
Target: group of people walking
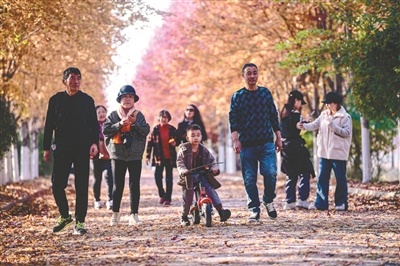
pixel 116 143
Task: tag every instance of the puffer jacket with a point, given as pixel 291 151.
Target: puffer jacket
pixel 185 162
pixel 139 131
pixel 334 137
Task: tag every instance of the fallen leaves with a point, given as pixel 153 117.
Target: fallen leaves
pixel 311 237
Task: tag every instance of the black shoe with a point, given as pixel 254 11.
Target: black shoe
pixel 185 221
pixel 80 229
pixel 270 209
pixel 62 223
pixel 224 215
pixel 254 217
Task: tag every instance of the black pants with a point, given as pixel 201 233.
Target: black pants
pixel 158 176
pixel 64 157
pixel 119 168
pixel 102 168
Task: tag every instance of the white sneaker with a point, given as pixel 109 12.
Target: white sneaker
pixel 289 206
pixel 312 207
pixel 98 205
pixel 109 204
pixel 134 219
pixel 303 204
pixel 114 219
pixel 341 207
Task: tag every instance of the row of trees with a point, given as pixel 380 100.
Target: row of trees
pixel 38 40
pixel 347 46
pixel 196 56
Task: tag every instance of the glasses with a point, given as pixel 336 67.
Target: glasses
pixel 190 110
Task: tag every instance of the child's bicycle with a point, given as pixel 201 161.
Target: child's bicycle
pixel 202 204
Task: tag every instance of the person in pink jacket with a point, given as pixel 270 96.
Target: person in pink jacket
pixel 333 142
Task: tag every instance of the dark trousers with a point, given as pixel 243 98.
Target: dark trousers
pixel 119 168
pixel 64 157
pixel 158 175
pixel 304 187
pixel 102 168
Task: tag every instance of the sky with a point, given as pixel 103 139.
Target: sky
pixel 130 53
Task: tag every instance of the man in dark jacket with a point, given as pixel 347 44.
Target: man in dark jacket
pixel 71 115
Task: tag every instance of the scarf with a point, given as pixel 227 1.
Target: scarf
pixel 122 114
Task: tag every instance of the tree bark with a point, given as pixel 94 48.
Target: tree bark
pixel 366 156
pixel 25 152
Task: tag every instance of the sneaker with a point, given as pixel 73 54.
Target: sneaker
pixel 98 205
pixel 114 219
pixel 109 204
pixel 254 217
pixel 312 207
pixel 161 200
pixel 167 202
pixel 62 223
pixel 224 215
pixel 289 206
pixel 80 229
pixel 271 210
pixel 303 204
pixel 185 221
pixel 134 219
pixel 341 207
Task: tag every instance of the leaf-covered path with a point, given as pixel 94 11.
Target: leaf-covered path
pixel 366 235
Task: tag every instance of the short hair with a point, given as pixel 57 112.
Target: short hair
pixel 193 127
pixel 248 65
pixel 164 112
pixel 70 70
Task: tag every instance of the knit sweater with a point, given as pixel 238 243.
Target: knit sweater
pixel 73 119
pixel 254 116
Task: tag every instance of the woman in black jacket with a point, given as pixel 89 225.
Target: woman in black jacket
pixel 191 116
pixel 295 157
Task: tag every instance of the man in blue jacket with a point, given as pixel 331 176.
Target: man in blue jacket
pixel 253 121
pixel 71 116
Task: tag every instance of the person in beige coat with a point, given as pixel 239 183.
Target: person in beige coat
pixel 333 142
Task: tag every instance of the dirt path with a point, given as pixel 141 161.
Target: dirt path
pixel 366 235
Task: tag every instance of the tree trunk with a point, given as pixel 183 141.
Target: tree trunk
pixel 221 147
pixel 34 142
pixel 25 152
pixel 398 146
pixel 366 156
pixel 230 154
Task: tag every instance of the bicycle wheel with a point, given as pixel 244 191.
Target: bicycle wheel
pixel 196 217
pixel 207 212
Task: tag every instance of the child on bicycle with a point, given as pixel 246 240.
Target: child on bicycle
pixel 194 154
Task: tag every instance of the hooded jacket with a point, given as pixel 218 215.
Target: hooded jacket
pixel 334 137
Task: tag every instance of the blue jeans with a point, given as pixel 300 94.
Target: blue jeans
pixel 250 156
pixel 325 168
pixel 304 187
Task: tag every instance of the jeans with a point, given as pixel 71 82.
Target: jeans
pixel 166 194
pixel 64 157
pixel 119 168
pixel 102 168
pixel 250 156
pixel 339 168
pixel 304 187
pixel 188 195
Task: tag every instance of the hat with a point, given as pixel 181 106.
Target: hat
pixel 333 97
pixel 127 89
pixel 298 95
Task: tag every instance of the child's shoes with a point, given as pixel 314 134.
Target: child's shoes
pixel 185 221
pixel 224 215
